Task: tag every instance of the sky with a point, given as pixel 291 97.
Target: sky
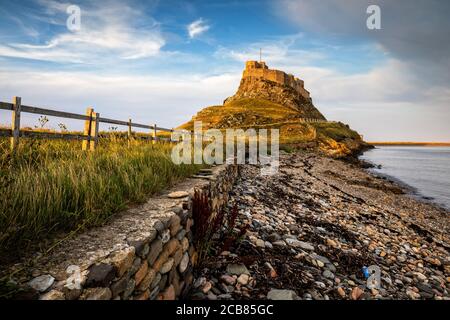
pixel 163 61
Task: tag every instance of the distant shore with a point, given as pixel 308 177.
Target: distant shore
pixel 411 144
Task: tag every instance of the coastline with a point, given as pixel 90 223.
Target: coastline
pixel 411 144
pixel 313 226
pixel 410 190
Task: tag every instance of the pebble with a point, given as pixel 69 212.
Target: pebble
pixel 42 283
pixel 178 195
pixel 357 292
pixel 341 292
pixel 243 279
pixel 237 269
pixel 276 294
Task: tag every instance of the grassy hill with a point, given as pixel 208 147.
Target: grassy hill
pixel 332 138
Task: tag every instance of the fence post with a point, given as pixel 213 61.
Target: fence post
pixel 15 122
pixel 87 129
pixel 129 132
pixel 154 134
pixel 94 130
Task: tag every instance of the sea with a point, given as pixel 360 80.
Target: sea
pixel 426 170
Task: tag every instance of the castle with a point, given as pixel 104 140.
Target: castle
pixel 259 70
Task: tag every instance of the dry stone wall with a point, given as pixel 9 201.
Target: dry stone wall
pixel 146 253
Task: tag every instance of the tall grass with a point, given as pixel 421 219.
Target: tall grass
pixel 48 187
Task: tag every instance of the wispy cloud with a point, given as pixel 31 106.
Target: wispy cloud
pixel 168 100
pixel 108 31
pixel 197 27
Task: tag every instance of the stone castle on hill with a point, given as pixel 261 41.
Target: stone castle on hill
pixel 260 82
pixel 259 70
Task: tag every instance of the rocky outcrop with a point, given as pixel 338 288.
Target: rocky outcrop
pixel 259 82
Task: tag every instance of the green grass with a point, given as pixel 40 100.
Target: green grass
pixel 52 187
pixel 336 131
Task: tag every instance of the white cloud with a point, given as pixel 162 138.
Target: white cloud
pixel 197 27
pixel 168 100
pixel 107 32
pixel 386 102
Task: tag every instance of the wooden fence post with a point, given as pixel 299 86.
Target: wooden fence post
pixel 15 123
pixel 129 132
pixel 94 130
pixel 154 134
pixel 87 128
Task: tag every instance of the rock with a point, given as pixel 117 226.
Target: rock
pixel 148 279
pixel 185 244
pixel 53 295
pixel 141 273
pixel 320 284
pixel 167 266
pixel 322 259
pixel 143 296
pixel 331 243
pixel 237 269
pixel 300 244
pixel 169 293
pixel 260 243
pixel 141 248
pixel 320 263
pixel 328 274
pixel 341 292
pixel 206 287
pixel 424 288
pixel 420 276
pixel 228 279
pixel 42 283
pixel 272 271
pixel 412 294
pixel 357 292
pixel 174 225
pixel 199 282
pixel 96 294
pixel 243 279
pixel 279 243
pixel 274 237
pixel 156 280
pixel 155 249
pixel 135 267
pixel 184 263
pixel 276 294
pixel 122 260
pixel 129 290
pixel 178 195
pixel 211 296
pixel 165 236
pixel 119 286
pixel 100 275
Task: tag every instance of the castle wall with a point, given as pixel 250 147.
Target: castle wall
pixel 259 70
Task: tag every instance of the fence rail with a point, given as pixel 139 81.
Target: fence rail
pixel 90 136
pixel 92 120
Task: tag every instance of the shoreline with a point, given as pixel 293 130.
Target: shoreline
pixel 410 190
pixel 411 144
pixel 311 229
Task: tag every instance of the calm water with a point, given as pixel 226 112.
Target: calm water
pixel 425 169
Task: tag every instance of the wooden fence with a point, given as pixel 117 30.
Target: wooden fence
pixel 90 136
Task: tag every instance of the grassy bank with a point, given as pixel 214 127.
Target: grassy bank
pixel 49 187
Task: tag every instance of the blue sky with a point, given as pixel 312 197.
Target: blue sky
pixel 162 61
